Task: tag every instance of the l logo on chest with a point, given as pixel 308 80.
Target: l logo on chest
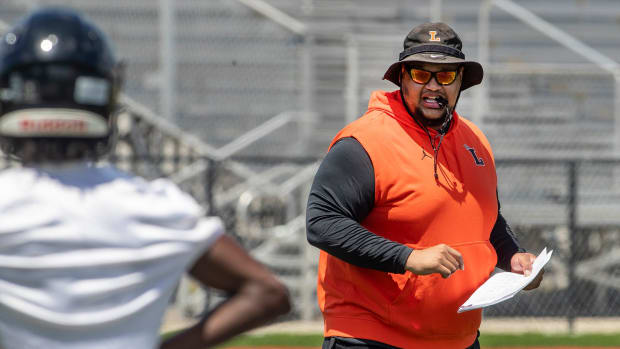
pixel 472 151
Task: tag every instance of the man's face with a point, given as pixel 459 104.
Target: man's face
pixel 421 98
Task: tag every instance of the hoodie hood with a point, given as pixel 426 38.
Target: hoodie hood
pixel 391 104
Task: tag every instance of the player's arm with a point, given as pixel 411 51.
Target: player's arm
pixel 257 296
pixel 341 196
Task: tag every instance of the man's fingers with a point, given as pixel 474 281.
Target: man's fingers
pixel 526 264
pixel 452 267
pixel 522 263
pixel 440 259
pixel 445 272
pixel 449 265
pixel 452 261
pixel 458 256
pixel 515 265
pixel 526 271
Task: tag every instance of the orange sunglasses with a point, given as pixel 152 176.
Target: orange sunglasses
pixel 421 76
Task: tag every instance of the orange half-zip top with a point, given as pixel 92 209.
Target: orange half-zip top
pixel 440 133
pixel 411 207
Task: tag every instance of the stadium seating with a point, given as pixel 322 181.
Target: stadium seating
pixel 237 69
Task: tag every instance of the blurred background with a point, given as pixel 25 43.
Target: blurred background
pixel 237 100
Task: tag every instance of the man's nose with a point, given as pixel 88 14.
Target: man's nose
pixel 432 84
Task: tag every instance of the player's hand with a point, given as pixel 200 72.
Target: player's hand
pixel 441 259
pixel 521 263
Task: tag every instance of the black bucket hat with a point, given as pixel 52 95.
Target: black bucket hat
pixel 435 43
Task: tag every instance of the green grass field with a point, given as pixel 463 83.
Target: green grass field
pixel 536 339
pixel 487 341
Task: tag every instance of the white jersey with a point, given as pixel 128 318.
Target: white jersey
pixel 90 256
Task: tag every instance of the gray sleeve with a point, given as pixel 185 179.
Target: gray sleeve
pixel 504 241
pixel 341 196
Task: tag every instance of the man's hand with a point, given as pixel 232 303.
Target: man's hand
pixel 441 259
pixel 521 263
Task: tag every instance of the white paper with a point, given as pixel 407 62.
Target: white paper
pixel 504 285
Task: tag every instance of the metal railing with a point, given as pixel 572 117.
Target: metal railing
pixel 579 221
pixel 263 200
pixel 264 208
pixel 276 16
pixel 554 33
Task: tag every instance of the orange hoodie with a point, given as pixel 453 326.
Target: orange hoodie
pixel 412 208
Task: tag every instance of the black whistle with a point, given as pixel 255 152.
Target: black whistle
pixel 442 101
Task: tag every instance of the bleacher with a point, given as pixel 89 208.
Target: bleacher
pixel 563 107
pixel 527 112
pixel 236 69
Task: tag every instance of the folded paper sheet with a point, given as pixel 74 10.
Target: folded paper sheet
pixel 504 285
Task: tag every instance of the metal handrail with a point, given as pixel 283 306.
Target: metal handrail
pixel 223 153
pixel 557 34
pixel 168 128
pixel 547 68
pixel 276 15
pixel 554 33
pixel 255 134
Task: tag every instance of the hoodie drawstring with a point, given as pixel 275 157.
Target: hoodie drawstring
pixel 436 150
pixel 440 133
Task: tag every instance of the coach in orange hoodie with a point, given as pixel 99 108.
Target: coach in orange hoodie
pixel 405 211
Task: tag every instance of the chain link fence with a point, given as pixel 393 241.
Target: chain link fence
pixel 551 112
pixel 240 145
pixel 554 134
pixel 232 68
pixel 570 206
pixel 237 138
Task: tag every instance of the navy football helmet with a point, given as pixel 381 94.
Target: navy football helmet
pixel 59 81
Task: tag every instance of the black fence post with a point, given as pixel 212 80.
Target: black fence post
pixel 572 227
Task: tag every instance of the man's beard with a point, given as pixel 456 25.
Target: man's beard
pixel 432 123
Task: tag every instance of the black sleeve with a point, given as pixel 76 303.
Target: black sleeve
pixel 504 241
pixel 341 196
